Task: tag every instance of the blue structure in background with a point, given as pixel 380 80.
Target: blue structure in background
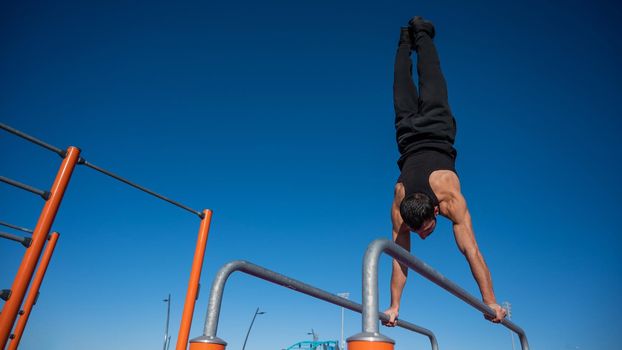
pixel 316 345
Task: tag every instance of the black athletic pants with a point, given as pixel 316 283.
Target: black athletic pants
pixel 422 120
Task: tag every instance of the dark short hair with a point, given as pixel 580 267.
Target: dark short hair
pixel 415 209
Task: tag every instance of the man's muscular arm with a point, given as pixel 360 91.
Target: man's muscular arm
pixel 401 236
pixel 458 213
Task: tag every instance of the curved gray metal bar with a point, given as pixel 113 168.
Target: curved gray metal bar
pixel 370 286
pixel 218 286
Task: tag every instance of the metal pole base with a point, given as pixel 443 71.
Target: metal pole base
pixel 207 343
pixel 370 341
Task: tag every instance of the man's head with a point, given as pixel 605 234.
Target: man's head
pixel 419 213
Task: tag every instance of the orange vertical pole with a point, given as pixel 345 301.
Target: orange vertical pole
pixel 193 284
pixel 34 291
pixel 33 253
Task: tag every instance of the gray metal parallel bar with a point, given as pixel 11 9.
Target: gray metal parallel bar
pixel 43 194
pixel 25 241
pixel 146 190
pixel 15 227
pixel 370 285
pixel 34 140
pixel 216 294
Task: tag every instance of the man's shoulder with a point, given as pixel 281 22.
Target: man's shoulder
pixel 446 185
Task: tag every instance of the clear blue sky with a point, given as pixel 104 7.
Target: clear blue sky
pixel 278 116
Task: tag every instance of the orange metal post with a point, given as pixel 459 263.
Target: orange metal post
pixel 34 291
pixel 193 284
pixel 39 236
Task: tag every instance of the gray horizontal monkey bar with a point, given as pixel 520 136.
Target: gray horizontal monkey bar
pixel 137 186
pixel 15 227
pixel 43 194
pixel 90 165
pixel 34 140
pixel 25 241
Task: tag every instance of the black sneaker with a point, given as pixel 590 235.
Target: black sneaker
pixel 418 24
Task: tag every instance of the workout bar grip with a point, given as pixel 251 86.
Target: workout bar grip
pixel 43 194
pixel 15 227
pixel 34 140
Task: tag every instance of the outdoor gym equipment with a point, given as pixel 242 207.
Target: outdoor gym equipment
pixel 14 297
pixel 33 295
pixel 370 331
pixel 370 338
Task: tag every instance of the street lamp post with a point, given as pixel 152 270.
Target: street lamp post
pixel 315 336
pixel 346 295
pixel 167 338
pixel 257 312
